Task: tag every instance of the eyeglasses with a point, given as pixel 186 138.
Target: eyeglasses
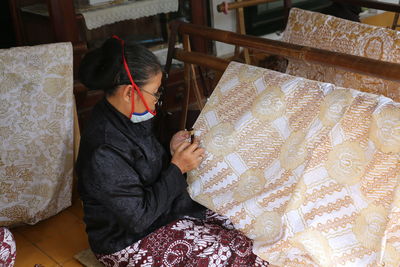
pixel 157 94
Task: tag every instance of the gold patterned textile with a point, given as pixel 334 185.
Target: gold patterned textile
pixel 36 132
pixel 308 170
pixel 339 35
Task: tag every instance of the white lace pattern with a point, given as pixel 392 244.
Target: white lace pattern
pixel 128 10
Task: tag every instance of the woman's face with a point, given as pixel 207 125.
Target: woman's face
pixel 149 92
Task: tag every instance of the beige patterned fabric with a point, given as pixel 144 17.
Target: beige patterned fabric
pixel 308 170
pixel 36 132
pixel 339 35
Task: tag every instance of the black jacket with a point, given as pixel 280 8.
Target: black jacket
pixel 126 182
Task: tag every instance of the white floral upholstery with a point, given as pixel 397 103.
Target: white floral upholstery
pixel 36 132
pixel 339 35
pixel 308 170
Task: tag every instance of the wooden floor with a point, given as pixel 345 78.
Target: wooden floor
pixel 55 241
pixel 52 242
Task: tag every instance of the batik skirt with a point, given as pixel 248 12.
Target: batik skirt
pixel 189 242
pixel 7 248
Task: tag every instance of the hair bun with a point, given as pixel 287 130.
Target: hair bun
pixel 99 67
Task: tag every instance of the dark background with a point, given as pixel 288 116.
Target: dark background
pixel 7 39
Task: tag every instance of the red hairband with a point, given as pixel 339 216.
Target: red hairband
pixel 134 86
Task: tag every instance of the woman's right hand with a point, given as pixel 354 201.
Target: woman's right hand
pixel 188 156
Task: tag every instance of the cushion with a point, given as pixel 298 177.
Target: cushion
pixel 308 170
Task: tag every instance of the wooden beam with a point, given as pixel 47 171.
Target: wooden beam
pixel 201 59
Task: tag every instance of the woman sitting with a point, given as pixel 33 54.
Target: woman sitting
pixel 137 210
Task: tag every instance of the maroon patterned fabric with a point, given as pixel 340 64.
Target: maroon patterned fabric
pixel 189 242
pixel 7 248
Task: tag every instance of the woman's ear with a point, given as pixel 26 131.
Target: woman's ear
pixel 127 92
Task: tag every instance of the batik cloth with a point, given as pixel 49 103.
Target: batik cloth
pixel 307 170
pixel 36 132
pixel 7 248
pixel 339 35
pixel 189 242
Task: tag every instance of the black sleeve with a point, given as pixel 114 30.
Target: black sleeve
pixel 116 185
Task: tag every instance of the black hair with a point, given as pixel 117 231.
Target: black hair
pixel 103 68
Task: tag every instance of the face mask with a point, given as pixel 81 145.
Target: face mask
pixel 140 117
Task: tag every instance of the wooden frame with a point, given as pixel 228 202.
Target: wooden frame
pixel 366 66
pixel 224 7
pixel 240 4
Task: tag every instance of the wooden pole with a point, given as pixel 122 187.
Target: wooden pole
pixel 241 29
pixel 186 93
pixel 191 83
pixel 195 87
pixel 201 59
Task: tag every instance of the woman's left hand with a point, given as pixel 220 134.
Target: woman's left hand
pixel 177 139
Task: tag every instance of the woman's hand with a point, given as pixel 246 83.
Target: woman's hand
pixel 188 156
pixel 177 140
